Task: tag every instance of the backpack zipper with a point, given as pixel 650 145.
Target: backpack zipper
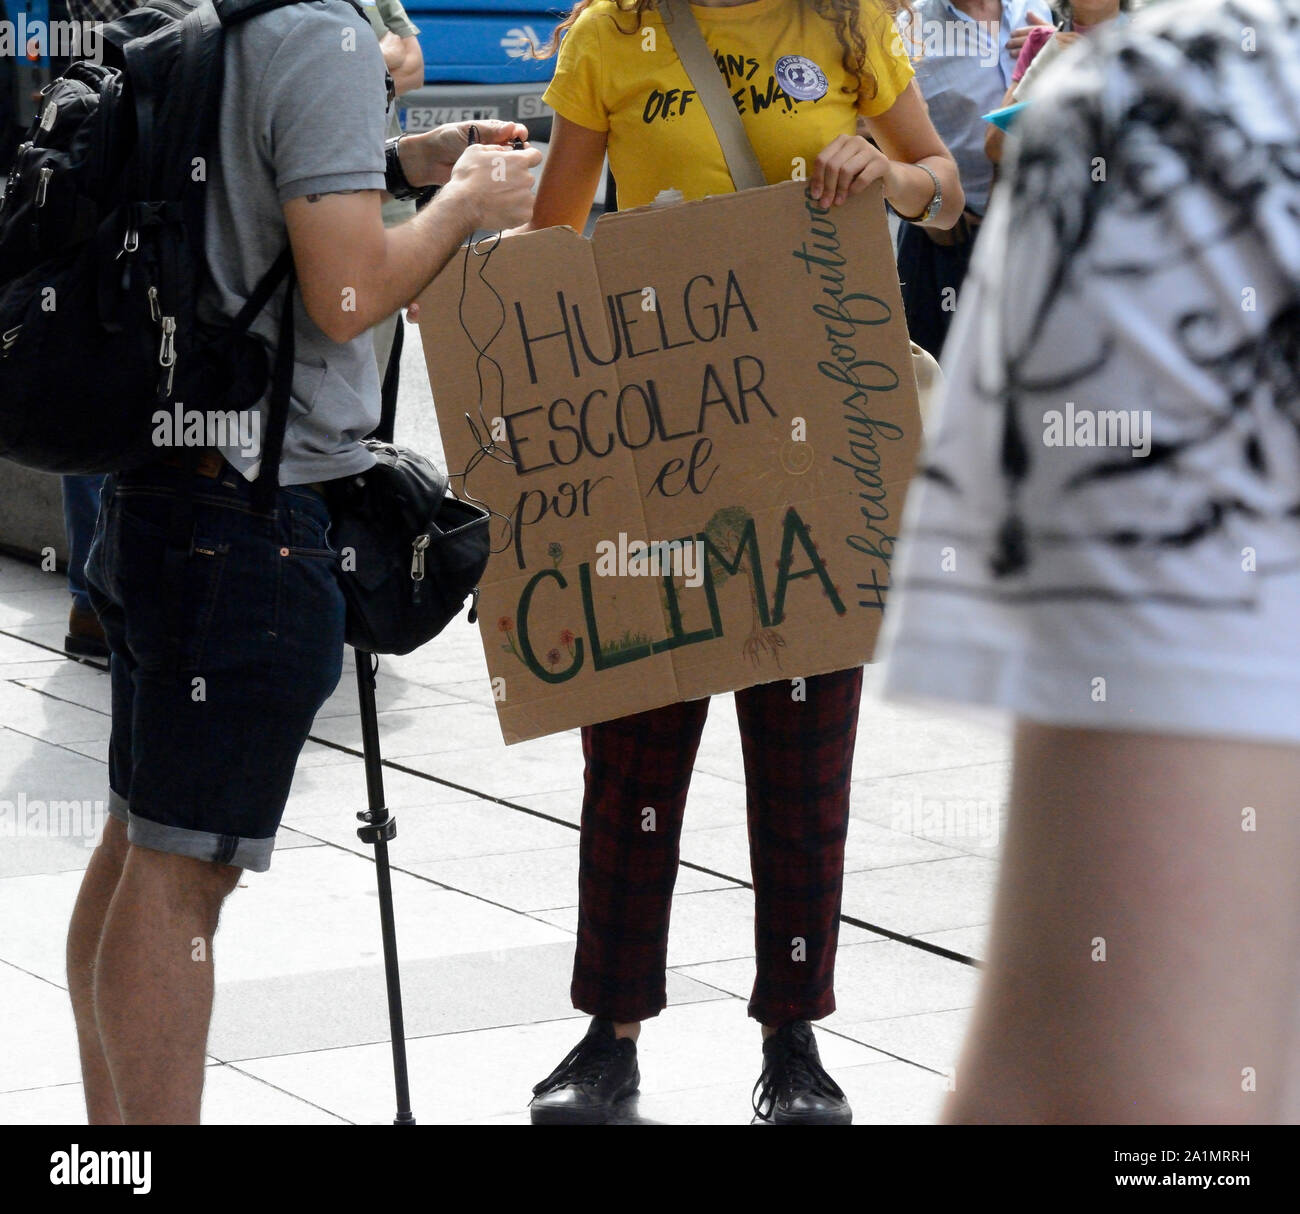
pixel 167 346
pixel 167 355
pixel 418 545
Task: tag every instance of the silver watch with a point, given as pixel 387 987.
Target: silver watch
pixel 936 203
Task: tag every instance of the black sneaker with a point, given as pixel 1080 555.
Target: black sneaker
pixel 794 1088
pixel 595 1075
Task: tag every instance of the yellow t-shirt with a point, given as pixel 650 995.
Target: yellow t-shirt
pixel 783 66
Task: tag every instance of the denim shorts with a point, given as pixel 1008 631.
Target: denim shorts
pixel 217 670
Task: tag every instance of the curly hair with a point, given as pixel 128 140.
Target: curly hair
pixel 843 14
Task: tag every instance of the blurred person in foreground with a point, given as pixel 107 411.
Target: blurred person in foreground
pixel 1106 543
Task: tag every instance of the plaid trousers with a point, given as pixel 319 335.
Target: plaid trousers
pixel 798 756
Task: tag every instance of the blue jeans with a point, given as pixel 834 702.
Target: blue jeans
pixel 80 509
pixel 218 673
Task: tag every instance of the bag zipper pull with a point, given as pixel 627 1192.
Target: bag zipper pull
pixel 167 355
pixel 418 545
pixel 43 185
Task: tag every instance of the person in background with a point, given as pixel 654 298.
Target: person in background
pixel 10 129
pixel 1078 20
pixel 85 636
pixel 405 62
pixel 964 52
pixel 1105 542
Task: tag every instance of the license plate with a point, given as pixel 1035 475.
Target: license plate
pixel 425 118
pixel 532 106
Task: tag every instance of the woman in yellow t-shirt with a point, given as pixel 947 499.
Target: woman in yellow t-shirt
pixel 802 75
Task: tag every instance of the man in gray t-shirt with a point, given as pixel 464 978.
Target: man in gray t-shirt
pixel 224 617
pixel 300 116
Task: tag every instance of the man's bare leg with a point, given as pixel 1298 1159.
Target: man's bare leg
pixel 153 983
pixel 1134 844
pixel 84 932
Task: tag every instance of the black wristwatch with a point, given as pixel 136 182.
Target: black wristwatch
pixel 395 181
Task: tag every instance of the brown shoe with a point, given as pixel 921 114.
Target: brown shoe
pixel 85 637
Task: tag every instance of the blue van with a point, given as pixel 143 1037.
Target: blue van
pixel 476 63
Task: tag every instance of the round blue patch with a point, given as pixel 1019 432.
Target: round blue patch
pixel 800 78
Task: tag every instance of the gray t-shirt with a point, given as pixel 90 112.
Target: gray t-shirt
pixel 302 112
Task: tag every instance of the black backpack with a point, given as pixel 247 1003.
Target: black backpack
pixel 101 250
pixel 9 131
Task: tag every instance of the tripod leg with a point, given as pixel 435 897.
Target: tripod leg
pixel 379 829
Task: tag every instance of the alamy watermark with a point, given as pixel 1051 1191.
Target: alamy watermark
pixel 932 38
pixel 651 558
pixel 126 1169
pixel 947 819
pixel 182 427
pixel 37 819
pixel 1073 427
pixel 24 38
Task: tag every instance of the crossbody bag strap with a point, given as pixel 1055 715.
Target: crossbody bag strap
pixel 276 417
pixel 684 33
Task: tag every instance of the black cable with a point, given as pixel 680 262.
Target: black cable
pixel 484 441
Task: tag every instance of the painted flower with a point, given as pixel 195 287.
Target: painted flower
pixel 553 657
pixel 505 624
pixel 555 552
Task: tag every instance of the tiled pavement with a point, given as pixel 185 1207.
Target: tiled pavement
pixel 485 887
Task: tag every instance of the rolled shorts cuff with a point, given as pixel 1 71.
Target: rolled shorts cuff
pixel 234 850
pixel 118 806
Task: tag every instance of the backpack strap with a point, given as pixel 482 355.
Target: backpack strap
pixel 697 60
pixel 276 419
pixel 280 269
pixel 236 12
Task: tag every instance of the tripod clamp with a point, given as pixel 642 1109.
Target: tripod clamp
pixel 381 826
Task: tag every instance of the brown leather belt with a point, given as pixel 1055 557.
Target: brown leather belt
pixel 212 464
pixel 962 232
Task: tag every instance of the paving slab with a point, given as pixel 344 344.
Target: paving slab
pixel 339 1007
pixel 875 980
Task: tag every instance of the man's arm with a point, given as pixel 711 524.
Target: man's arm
pixel 405 61
pixel 354 272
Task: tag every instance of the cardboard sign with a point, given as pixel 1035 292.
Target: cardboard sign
pixel 711 419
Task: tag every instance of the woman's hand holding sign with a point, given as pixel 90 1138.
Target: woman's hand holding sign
pixel 846 165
